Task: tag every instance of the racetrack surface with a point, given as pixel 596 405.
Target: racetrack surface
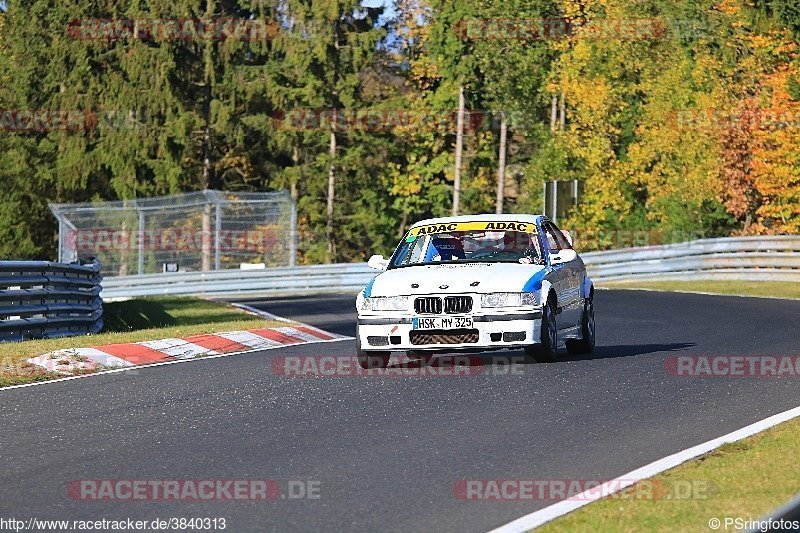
pixel 388 451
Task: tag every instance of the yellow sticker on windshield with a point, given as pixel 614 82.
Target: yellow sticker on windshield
pixel 522 227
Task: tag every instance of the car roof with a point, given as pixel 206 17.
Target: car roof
pixel 480 218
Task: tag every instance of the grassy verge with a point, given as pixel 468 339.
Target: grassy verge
pixel 131 321
pixel 778 289
pixel 746 479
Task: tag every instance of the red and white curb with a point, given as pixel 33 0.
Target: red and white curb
pixel 71 360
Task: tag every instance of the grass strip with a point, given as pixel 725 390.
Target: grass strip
pixel 134 320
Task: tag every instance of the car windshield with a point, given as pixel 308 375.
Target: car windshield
pixel 468 245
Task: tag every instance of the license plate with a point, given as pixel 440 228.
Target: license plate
pixel 445 322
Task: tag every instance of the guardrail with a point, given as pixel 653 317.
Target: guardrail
pixel 40 299
pixel 775 258
pixel 737 258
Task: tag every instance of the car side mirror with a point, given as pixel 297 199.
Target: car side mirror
pixel 377 262
pixel 567 235
pixel 563 256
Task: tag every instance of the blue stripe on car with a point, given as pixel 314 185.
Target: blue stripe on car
pixel 535 282
pixel 368 288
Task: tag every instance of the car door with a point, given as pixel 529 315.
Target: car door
pixel 569 293
pixel 556 276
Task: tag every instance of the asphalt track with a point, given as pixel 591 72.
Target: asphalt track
pixel 387 452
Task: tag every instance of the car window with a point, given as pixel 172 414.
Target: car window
pixel 563 243
pixel 471 245
pixel 553 245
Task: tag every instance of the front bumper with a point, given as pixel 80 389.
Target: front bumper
pixel 490 331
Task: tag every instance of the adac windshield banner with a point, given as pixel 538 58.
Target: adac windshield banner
pixel 522 227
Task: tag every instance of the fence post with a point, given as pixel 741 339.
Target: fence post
pixel 60 239
pixel 141 243
pixel 217 232
pixel 293 235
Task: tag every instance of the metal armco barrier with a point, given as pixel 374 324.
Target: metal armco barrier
pixel 774 258
pixel 284 281
pixel 736 258
pixel 40 299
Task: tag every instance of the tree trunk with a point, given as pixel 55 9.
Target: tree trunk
pixel 553 113
pixel 331 193
pixel 501 165
pixel 295 163
pixel 208 66
pixel 459 151
pixel 562 114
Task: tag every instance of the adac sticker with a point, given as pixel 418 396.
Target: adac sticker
pixel 524 227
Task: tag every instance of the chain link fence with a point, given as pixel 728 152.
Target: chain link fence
pixel 196 231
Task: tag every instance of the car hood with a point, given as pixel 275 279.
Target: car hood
pixel 458 278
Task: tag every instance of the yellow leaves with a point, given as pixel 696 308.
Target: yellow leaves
pixel 406 184
pixel 731 7
pixel 776 156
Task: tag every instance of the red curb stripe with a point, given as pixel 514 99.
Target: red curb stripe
pixel 311 331
pixel 135 353
pixel 218 344
pixel 276 336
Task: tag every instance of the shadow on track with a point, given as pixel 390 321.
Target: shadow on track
pixel 518 357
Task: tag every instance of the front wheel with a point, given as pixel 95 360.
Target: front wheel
pixel 586 344
pixel 546 350
pixel 370 360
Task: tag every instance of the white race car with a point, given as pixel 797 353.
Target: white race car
pixel 475 283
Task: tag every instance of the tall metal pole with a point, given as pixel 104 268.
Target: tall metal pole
pixel 141 243
pixel 574 193
pixel 293 234
pixel 459 151
pixel 217 232
pixel 60 240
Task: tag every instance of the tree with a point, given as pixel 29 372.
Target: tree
pixel 325 47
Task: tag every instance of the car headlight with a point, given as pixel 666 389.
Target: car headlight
pixel 362 302
pixel 389 303
pixel 509 299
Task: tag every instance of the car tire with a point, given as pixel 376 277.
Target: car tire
pixel 586 344
pixel 371 360
pixel 547 349
pixel 422 357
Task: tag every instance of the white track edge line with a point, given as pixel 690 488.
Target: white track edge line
pixel 261 313
pixel 164 363
pixel 542 516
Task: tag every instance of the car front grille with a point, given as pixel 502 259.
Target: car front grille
pixel 428 305
pixel 453 305
pixel 458 304
pixel 439 336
